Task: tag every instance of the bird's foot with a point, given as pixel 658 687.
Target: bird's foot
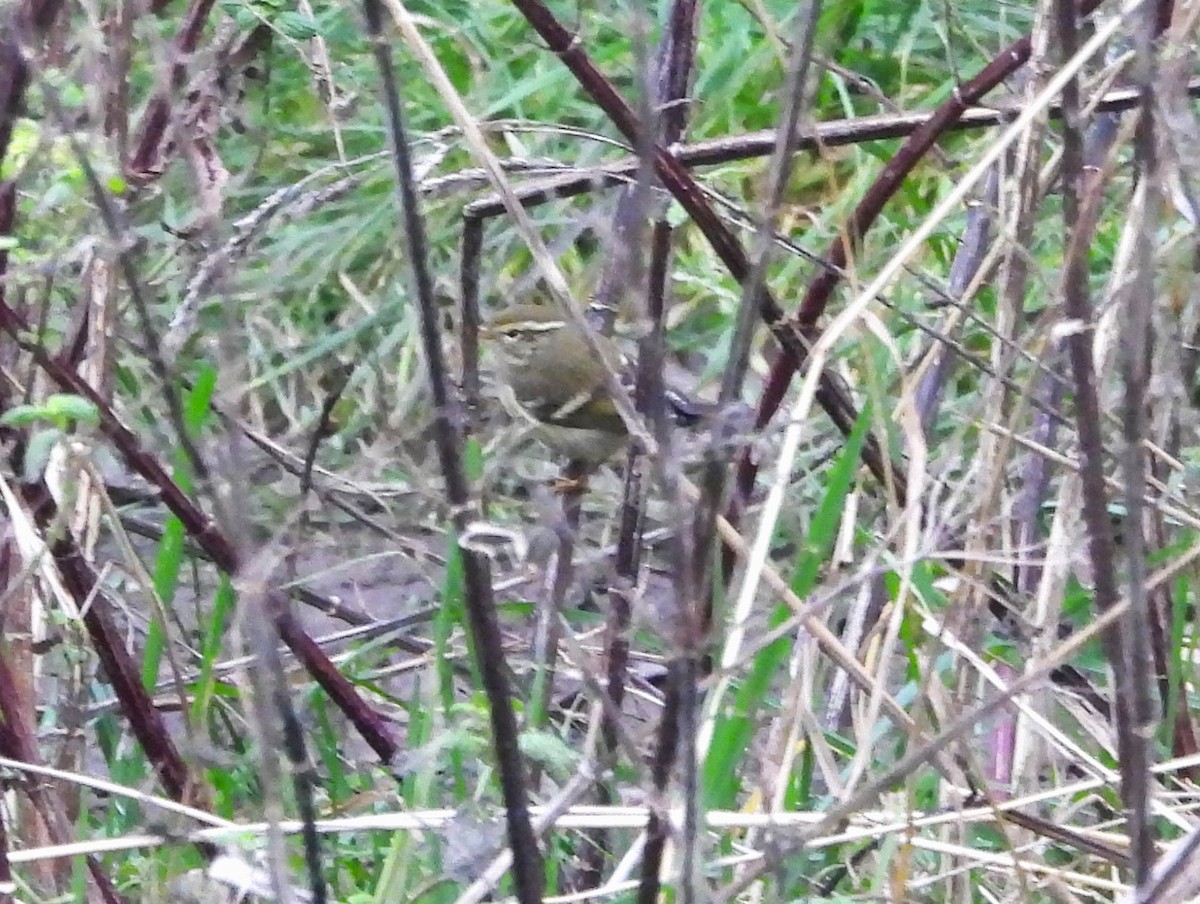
pixel 569 485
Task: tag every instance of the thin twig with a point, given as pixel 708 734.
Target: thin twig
pixel 448 438
pixel 1135 671
pixel 1079 222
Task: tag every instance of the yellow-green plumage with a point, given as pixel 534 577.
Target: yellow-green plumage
pixel 553 382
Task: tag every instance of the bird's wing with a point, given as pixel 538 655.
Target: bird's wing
pixel 591 409
pixel 576 394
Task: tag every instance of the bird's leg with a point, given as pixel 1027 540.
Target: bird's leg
pixel 573 480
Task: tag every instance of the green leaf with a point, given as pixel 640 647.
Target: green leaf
pixel 37 452
pixel 61 410
pixel 72 408
pixel 295 25
pixel 550 750
pixel 224 602
pixel 21 416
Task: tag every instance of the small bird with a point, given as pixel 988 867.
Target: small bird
pixel 552 381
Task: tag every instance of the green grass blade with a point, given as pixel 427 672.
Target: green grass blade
pixel 734 730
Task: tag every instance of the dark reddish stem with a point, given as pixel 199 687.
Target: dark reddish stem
pixel 832 396
pixel 914 149
pixel 147 156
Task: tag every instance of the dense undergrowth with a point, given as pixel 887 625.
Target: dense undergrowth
pixel 917 629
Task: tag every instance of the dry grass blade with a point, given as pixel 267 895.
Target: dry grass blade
pixel 230 381
pixel 548 270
